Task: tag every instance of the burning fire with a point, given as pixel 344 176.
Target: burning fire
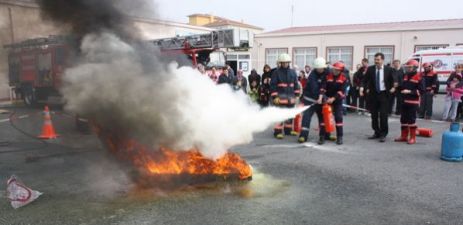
pixel 168 162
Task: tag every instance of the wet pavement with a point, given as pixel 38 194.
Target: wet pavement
pixel 361 182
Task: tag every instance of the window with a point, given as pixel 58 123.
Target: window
pixel 429 47
pixel 304 56
pixel 340 53
pixel 388 52
pixel 271 55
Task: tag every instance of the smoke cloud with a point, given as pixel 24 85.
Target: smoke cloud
pixel 122 85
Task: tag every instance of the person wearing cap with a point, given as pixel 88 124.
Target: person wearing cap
pixel 311 97
pixel 411 89
pixel 431 84
pixel 284 90
pixel 333 88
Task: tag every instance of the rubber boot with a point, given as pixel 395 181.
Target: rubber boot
pixel 412 139
pixel 404 136
pixel 279 136
pixel 301 140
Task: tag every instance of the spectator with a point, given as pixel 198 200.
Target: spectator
pixel 347 99
pixel 398 73
pixel 357 84
pixel 224 78
pixel 267 74
pixel 240 82
pixel 307 70
pixel 302 78
pixel 254 76
pixel 231 72
pixel 264 89
pixel 213 75
pixel 454 94
pixel 254 91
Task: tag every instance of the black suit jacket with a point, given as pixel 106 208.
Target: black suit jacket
pixel 369 81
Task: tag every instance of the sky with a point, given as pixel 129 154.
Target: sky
pixel 272 15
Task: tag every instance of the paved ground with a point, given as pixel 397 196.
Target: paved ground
pixel 362 182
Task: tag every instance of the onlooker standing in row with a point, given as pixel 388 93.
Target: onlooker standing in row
pixel 454 93
pixel 378 85
pixel 225 78
pixel 431 87
pixel 264 89
pixel 307 70
pixel 359 75
pixel 254 91
pixel 240 83
pixel 254 76
pixel 398 73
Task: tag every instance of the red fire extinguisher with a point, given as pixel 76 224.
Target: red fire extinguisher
pixel 298 123
pixel 424 132
pixel 328 119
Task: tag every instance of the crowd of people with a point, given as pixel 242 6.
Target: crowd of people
pixel 377 90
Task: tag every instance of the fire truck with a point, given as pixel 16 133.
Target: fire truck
pixel 37 66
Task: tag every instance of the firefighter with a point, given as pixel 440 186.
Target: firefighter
pixel 284 89
pixel 334 88
pixel 430 83
pixel 411 88
pixel 311 97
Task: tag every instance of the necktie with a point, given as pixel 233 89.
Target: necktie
pixel 378 86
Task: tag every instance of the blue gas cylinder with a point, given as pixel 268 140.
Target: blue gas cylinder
pixel 452 144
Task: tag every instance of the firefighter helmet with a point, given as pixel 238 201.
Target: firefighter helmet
pixel 412 63
pixel 319 63
pixel 339 66
pixel 284 58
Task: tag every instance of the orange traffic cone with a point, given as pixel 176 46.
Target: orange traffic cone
pixel 48 132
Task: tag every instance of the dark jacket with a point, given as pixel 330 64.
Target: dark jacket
pixel 334 86
pixel 254 76
pixel 313 86
pixel 284 85
pixel 224 79
pixel 244 84
pixel 358 77
pixel 369 81
pixel 398 75
pixel 414 83
pixel 431 83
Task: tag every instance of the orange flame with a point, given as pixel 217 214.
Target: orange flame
pixel 168 162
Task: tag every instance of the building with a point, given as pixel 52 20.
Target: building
pixel 238 59
pixel 21 20
pixel 351 43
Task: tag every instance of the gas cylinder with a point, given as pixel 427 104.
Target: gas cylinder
pixel 328 118
pixel 452 144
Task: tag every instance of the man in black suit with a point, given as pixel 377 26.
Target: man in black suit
pixel 378 85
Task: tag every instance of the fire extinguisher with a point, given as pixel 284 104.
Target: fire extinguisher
pixel 297 122
pixel 328 119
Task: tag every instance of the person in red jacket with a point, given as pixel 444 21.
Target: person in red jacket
pixel 411 89
pixel 430 82
pixel 334 87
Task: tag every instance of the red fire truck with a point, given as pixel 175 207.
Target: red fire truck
pixel 36 66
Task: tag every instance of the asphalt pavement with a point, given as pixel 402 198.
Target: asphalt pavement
pixel 360 182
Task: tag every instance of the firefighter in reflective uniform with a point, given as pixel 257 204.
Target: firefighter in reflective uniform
pixel 284 89
pixel 334 87
pixel 411 89
pixel 430 82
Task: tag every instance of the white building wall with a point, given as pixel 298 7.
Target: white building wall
pixel 404 42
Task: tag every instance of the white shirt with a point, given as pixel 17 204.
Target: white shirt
pixel 382 85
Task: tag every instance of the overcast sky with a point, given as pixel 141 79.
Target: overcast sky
pixel 276 14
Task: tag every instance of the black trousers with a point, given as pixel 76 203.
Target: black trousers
pixel 284 127
pixel 378 104
pixel 398 104
pixel 357 99
pixel 338 114
pixel 307 118
pixel 392 100
pixel 426 105
pixel 408 116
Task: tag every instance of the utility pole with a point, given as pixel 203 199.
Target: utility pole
pixel 292 13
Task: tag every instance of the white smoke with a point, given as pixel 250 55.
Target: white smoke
pixel 168 106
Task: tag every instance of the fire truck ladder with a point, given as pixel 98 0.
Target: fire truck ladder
pixel 37 42
pixel 214 39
